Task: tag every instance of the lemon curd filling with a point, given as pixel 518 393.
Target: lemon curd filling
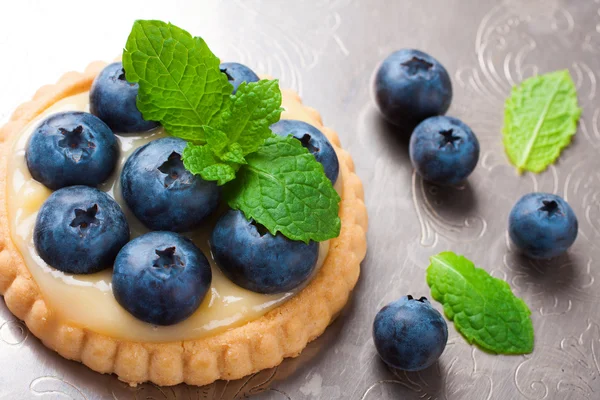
pixel 87 300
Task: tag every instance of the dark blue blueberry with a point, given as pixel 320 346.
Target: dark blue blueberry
pixel 542 225
pixel 161 192
pixel 314 140
pixel 238 73
pixel 80 230
pixel 444 150
pixel 410 86
pixel 410 334
pixel 258 261
pixel 161 278
pixel 113 100
pixel 71 148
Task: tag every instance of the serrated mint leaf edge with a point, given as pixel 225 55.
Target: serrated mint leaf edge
pixel 210 163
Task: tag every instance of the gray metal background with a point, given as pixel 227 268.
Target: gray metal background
pixel 327 50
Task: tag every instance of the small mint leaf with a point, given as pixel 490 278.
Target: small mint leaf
pixel 200 160
pixel 234 154
pixel 222 173
pixel 216 139
pixel 285 189
pixel 253 109
pixel 483 308
pixel 180 83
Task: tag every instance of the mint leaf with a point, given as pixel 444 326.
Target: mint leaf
pixel 234 154
pixel 253 109
pixel 540 118
pixel 285 189
pixel 483 308
pixel 200 160
pixel 215 139
pixel 222 173
pixel 181 85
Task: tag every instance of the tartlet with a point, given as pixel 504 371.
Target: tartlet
pixel 259 344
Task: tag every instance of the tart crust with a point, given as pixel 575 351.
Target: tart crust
pixel 259 344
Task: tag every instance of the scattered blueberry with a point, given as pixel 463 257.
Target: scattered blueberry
pixel 161 278
pixel 258 261
pixel 71 148
pixel 238 73
pixel 410 334
pixel 444 150
pixel 410 86
pixel 314 140
pixel 161 192
pixel 542 225
pixel 113 100
pixel 80 230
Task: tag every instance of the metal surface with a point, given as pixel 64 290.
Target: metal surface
pixel 328 50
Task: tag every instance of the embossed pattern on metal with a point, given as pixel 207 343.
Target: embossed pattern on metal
pixel 328 50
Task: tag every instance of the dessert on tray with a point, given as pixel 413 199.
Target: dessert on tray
pixel 172 219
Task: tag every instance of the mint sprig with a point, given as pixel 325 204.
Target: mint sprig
pixel 273 180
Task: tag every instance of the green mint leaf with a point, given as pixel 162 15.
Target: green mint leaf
pixel 285 189
pixel 234 154
pixel 222 173
pixel 253 109
pixel 181 85
pixel 215 139
pixel 540 118
pixel 200 160
pixel 483 308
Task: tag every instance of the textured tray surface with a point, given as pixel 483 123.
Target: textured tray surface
pixel 327 50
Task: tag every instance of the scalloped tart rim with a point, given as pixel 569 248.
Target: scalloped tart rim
pixel 259 344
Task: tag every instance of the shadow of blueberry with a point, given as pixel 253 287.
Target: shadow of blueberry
pixel 450 201
pixel 425 384
pixel 396 138
pixel 555 275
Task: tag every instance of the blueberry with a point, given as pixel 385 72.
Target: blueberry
pixel 314 140
pixel 161 193
pixel 410 86
pixel 113 100
pixel 410 334
pixel 161 278
pixel 71 148
pixel 542 225
pixel 80 230
pixel 444 150
pixel 238 73
pixel 258 261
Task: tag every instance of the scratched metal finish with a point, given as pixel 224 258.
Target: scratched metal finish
pixel 327 50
